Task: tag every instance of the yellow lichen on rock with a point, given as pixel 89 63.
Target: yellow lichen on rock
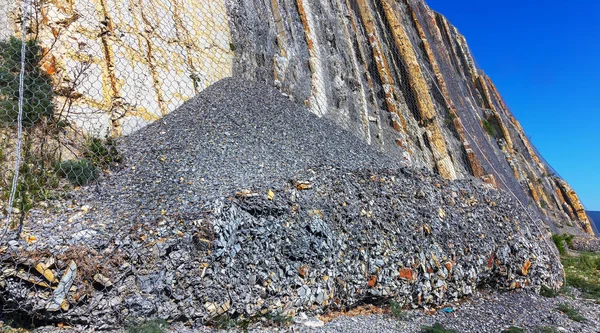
pixel 573 201
pixel 398 121
pixel 420 89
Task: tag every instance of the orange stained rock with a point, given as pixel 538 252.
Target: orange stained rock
pixel 448 266
pixel 577 206
pixel 372 281
pixel 526 266
pixel 476 167
pixel 420 90
pixel 490 179
pixel 472 158
pixel 382 65
pixel 534 193
pixel 563 203
pixel 488 103
pixel 406 273
pixel 303 270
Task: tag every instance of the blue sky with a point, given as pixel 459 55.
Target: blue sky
pixel 544 57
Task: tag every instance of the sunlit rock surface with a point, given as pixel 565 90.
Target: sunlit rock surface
pixel 394 73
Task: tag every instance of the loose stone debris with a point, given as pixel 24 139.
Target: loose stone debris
pixel 279 212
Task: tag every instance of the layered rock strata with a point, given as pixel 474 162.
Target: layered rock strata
pixel 395 73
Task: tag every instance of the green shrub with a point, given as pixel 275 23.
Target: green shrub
pixel 397 311
pixel 149 326
pixel 583 273
pixel 589 289
pixel 560 245
pixel 571 313
pixel 589 262
pixel 546 329
pixel 102 153
pixel 36 182
pixel 436 328
pixel 514 329
pixel 78 172
pixel 568 239
pixel 489 128
pixel 38 92
pixel 561 240
pixel 224 322
pixel 279 319
pixel 548 292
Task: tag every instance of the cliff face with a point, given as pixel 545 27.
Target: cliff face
pixel 402 77
pixel 392 72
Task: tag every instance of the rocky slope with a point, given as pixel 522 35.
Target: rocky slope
pixel 242 203
pixel 403 77
pixel 394 72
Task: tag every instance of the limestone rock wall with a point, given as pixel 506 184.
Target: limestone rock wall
pixel 402 77
pixel 392 72
pixel 118 65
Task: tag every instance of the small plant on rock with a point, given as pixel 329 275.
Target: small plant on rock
pixel 514 329
pixel 560 241
pixel 78 172
pixel 38 93
pixel 102 153
pixel 149 326
pixel 489 128
pixel 279 319
pixel 548 292
pixel 224 322
pixel 397 311
pixel 571 313
pixel 546 329
pixel 437 328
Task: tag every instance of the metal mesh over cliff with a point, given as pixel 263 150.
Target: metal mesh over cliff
pixel 76 76
pixel 313 171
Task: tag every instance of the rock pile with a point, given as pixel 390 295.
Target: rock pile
pixel 243 203
pixel 586 244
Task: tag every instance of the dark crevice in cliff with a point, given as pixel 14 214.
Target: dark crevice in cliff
pixel 371 66
pixel 447 42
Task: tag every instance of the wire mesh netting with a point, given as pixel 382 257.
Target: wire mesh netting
pixel 92 72
pixel 77 78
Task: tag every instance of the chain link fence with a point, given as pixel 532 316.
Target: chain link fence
pixel 75 76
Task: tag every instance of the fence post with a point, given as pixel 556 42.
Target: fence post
pixel 13 190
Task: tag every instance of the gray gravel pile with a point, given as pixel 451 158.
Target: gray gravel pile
pixel 243 203
pixel 483 313
pixel 235 134
pixel 587 244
